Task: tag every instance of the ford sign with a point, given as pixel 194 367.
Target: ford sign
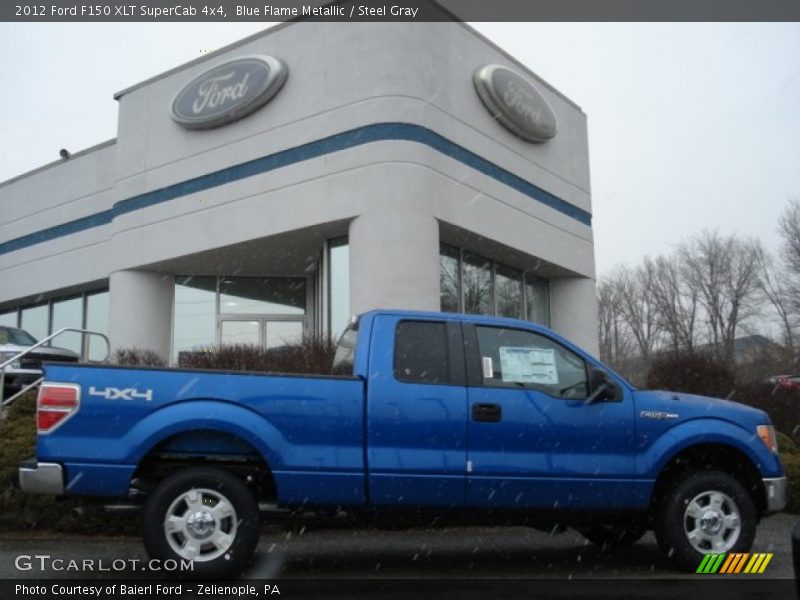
pixel 228 92
pixel 516 103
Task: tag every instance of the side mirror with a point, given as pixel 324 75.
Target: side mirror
pixel 602 388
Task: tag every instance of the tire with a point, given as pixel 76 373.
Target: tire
pixel 703 513
pixel 609 537
pixel 205 515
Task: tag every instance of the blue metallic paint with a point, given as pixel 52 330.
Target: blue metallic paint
pixel 371 439
pixel 416 433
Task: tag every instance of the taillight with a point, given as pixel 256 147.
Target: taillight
pixel 57 402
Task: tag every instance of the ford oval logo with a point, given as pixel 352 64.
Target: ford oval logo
pixel 228 92
pixel 516 103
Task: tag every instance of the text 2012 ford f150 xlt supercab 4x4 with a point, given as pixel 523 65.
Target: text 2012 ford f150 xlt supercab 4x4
pixel 496 420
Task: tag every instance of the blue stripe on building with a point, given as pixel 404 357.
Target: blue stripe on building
pixel 340 141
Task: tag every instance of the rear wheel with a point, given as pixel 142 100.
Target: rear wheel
pixel 704 513
pixel 204 515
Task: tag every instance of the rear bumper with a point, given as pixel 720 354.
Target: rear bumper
pixel 777 491
pixel 41 478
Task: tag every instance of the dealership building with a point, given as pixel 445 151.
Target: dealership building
pixel 316 170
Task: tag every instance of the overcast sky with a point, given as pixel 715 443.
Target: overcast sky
pixel 691 126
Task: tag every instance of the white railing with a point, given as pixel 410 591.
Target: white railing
pixel 84 351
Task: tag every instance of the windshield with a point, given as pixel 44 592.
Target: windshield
pixel 345 356
pixel 18 337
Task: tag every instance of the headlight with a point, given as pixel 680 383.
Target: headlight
pixel 767 435
pixel 4 356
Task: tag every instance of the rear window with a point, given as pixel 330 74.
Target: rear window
pixel 420 352
pixel 345 357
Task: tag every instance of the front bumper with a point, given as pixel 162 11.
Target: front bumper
pixel 15 380
pixel 41 478
pixel 777 491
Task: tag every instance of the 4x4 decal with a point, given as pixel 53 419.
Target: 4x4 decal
pixel 112 393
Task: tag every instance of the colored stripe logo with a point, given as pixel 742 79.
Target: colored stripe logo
pixel 734 563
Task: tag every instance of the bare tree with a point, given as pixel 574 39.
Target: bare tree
pixel 782 286
pixel 724 271
pixel 789 230
pixel 777 289
pixel 676 302
pixel 615 342
pixel 638 307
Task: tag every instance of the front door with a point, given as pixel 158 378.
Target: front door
pixel 533 441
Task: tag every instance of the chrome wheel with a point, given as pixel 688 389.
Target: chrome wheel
pixel 200 525
pixel 712 522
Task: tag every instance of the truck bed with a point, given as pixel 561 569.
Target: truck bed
pixel 309 428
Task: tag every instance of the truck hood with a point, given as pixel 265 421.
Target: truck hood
pixel 690 406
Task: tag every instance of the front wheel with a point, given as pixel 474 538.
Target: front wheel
pixel 704 513
pixel 204 515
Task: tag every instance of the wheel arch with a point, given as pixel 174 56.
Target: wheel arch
pixel 205 447
pixel 711 456
pixel 226 436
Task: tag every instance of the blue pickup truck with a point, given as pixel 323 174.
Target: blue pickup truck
pixel 447 416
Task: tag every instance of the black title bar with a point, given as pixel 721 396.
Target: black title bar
pixel 398 10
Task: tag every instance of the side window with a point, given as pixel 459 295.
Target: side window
pixel 420 352
pixel 517 358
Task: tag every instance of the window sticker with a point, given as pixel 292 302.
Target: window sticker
pixel 529 365
pixel 488 368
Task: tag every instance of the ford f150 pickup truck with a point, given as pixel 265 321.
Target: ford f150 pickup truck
pixel 486 419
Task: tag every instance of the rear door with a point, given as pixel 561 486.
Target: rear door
pixel 533 441
pixel 416 413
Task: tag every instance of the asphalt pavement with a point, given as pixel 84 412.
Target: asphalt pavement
pixel 361 553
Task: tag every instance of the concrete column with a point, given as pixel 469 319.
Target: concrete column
pixel 394 261
pixel 573 311
pixel 140 312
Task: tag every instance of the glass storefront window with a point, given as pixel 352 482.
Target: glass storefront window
pixel 477 285
pixel 96 320
pixel 262 295
pixel 240 332
pixel 477 282
pixel 205 316
pixel 35 320
pixel 88 311
pixel 339 259
pixel 508 290
pixel 68 313
pixel 9 319
pixel 537 300
pixel 284 333
pixel 449 279
pixel 195 318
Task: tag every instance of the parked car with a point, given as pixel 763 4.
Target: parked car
pixel 27 369
pixel 474 419
pixel 787 382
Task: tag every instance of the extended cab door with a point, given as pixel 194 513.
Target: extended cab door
pixel 533 440
pixel 416 413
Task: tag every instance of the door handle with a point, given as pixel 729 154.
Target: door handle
pixel 487 413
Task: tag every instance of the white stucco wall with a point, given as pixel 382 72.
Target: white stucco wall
pixel 342 76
